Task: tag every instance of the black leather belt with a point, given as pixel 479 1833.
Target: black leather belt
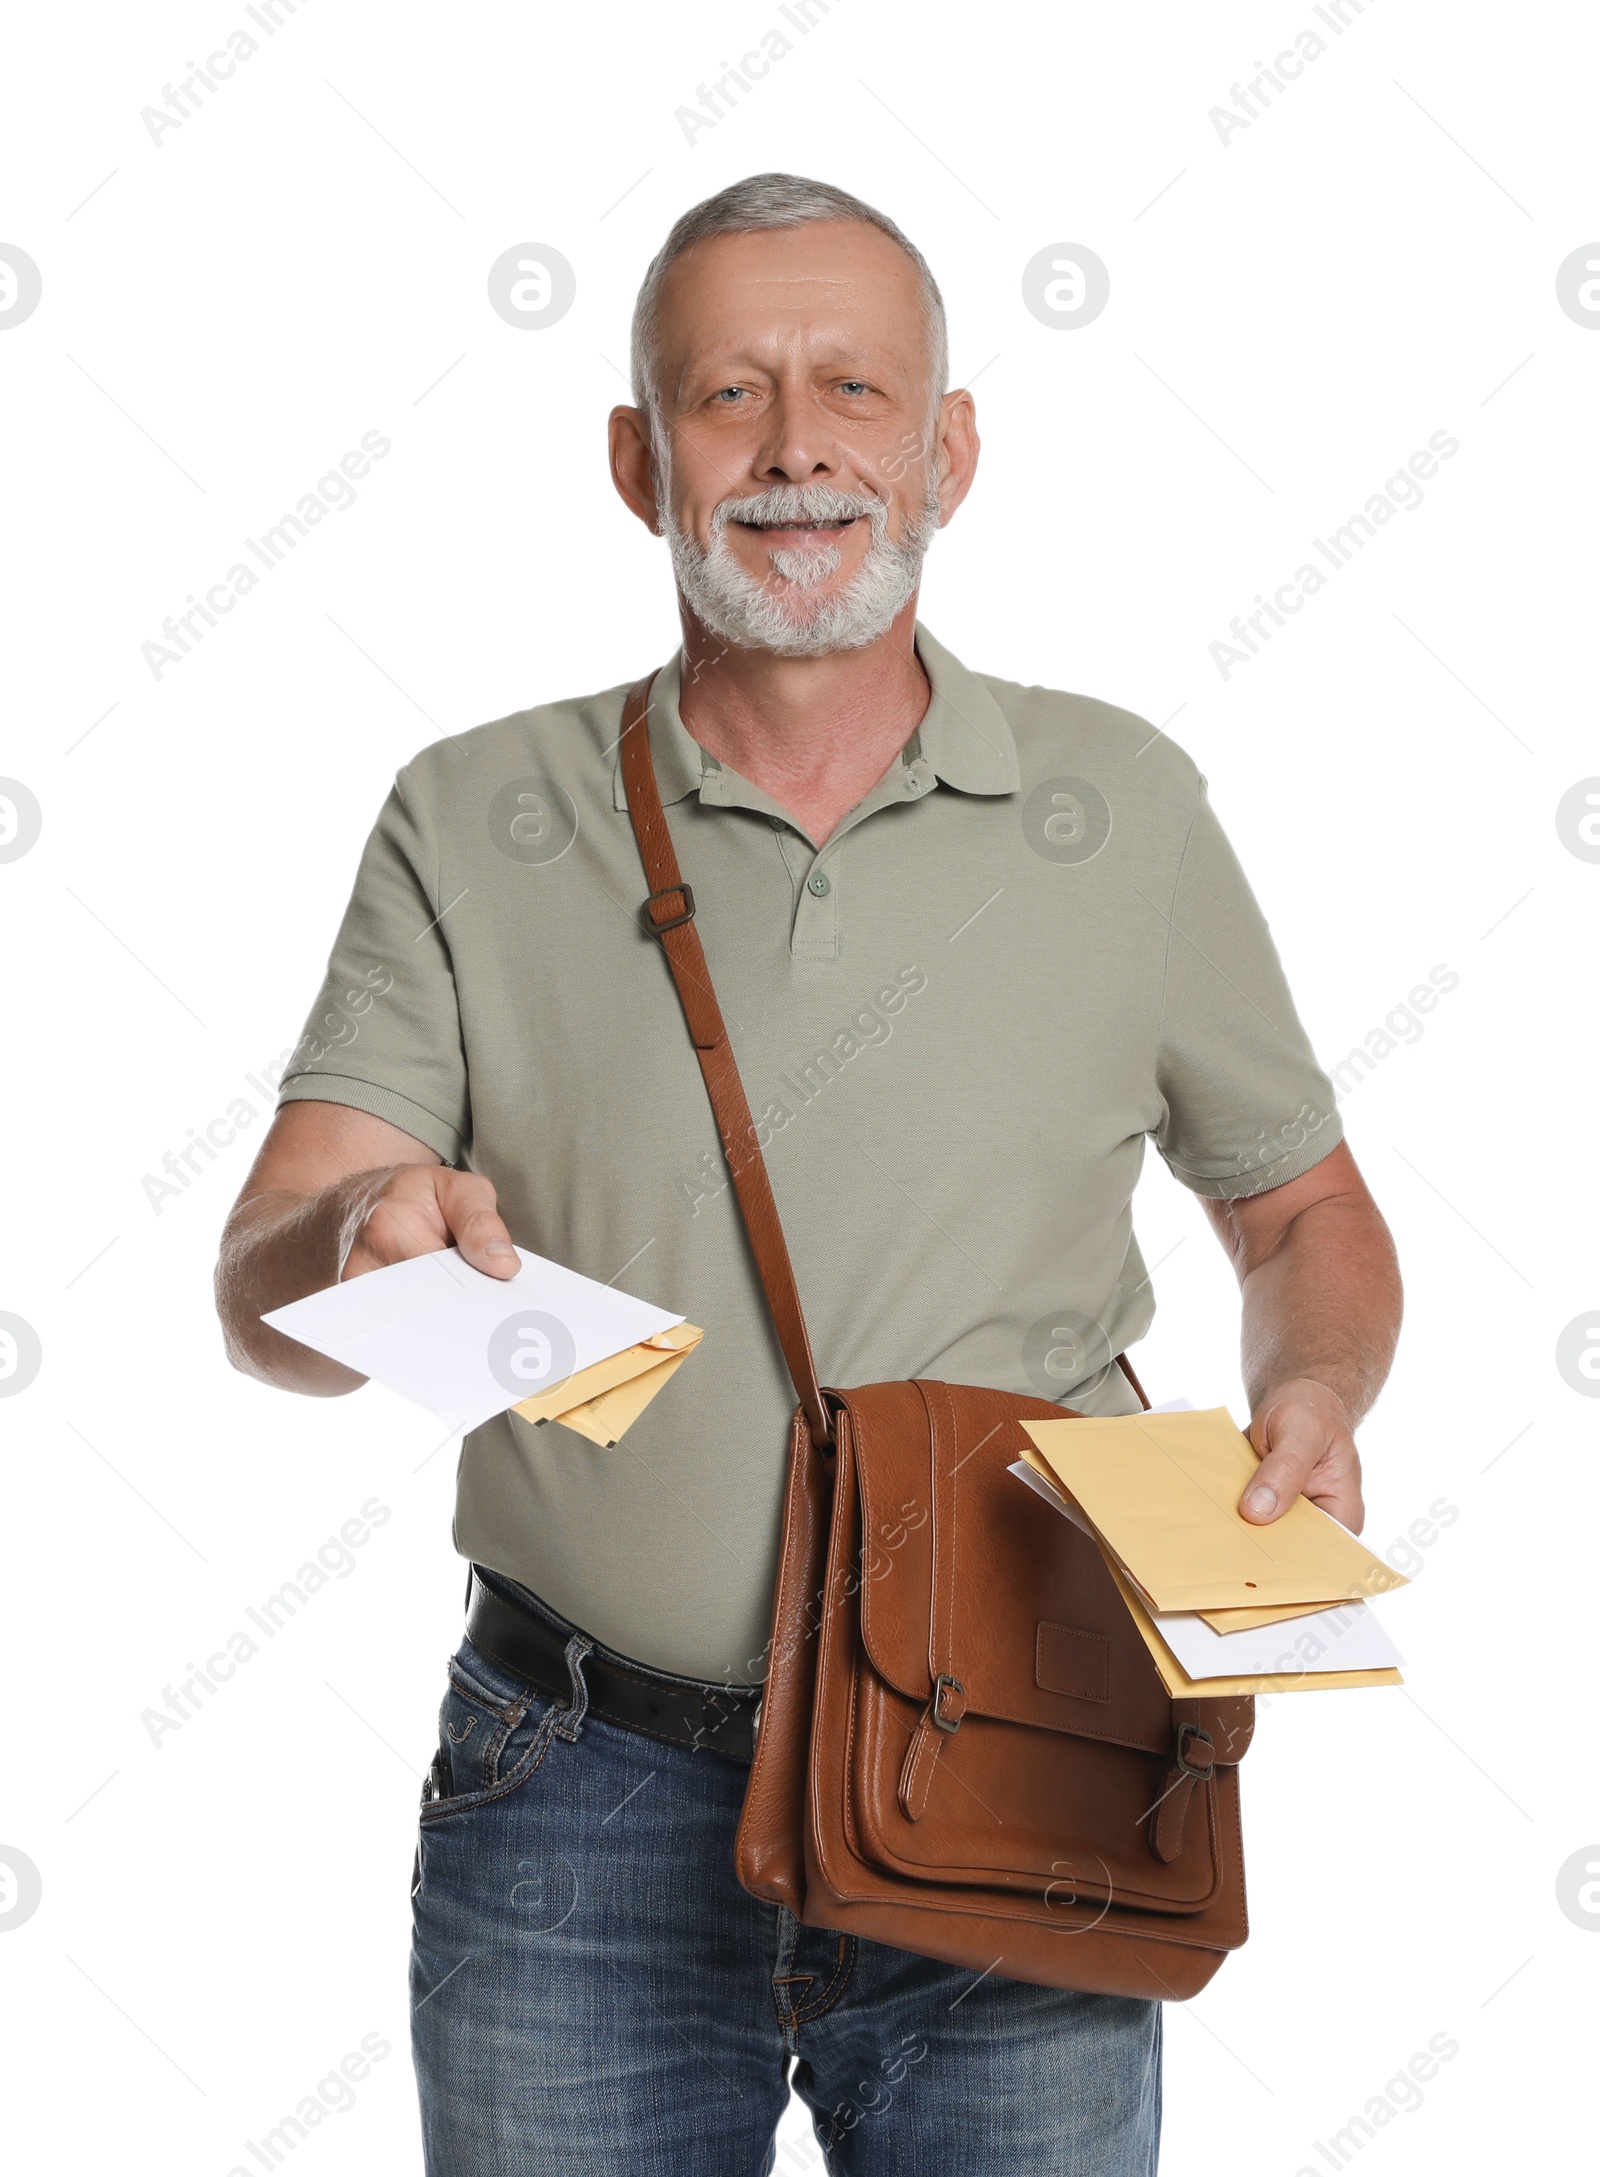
pixel 721 1719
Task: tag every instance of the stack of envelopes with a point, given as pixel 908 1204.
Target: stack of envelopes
pixel 547 1344
pixel 603 1401
pixel 1224 1606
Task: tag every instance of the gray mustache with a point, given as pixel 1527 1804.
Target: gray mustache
pixel 799 503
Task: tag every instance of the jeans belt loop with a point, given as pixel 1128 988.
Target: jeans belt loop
pixel 572 1722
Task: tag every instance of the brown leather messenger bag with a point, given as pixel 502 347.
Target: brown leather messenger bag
pixel 964 1749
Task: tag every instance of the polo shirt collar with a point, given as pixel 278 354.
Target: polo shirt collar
pixel 964 733
pixel 964 736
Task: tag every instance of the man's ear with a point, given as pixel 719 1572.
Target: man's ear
pixel 633 467
pixel 956 450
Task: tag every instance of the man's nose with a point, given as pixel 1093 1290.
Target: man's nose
pixel 796 447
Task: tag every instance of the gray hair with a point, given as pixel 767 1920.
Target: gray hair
pixel 754 206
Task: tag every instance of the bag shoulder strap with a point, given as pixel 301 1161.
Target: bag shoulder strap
pixel 668 914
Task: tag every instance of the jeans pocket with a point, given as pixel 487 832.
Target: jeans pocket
pixel 493 1733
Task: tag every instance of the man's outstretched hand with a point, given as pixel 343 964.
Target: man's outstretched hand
pixel 415 1209
pixel 334 1193
pixel 1308 1449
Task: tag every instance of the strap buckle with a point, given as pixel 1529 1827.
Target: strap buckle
pixel 674 922
pixel 1188 1733
pixel 943 1687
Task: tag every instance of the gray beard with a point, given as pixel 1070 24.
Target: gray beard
pixel 776 613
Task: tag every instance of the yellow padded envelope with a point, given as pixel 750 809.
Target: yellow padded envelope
pixel 1162 1493
pixel 1243 1621
pixel 1172 1673
pixel 1184 1688
pixel 603 1401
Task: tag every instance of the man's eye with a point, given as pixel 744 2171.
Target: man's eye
pixel 729 394
pixel 852 386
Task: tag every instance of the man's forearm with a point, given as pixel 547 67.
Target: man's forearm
pixel 1324 1304
pixel 278 1247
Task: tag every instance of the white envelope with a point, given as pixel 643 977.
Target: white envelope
pixel 464 1345
pixel 1349 1635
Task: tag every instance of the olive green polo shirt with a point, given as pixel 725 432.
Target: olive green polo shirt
pixel 1025 953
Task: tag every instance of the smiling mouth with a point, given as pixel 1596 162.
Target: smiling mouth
pixel 801 529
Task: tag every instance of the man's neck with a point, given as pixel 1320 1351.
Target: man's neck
pixel 814 733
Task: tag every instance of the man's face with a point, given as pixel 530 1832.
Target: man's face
pixel 795 457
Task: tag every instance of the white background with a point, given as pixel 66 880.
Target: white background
pixel 1291 315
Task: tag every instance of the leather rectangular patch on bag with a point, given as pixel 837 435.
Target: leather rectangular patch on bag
pixel 1074 1663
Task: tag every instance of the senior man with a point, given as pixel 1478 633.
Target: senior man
pixel 976 943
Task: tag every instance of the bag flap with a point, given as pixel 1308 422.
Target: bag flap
pixel 1037 1632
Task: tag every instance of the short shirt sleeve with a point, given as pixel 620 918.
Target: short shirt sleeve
pixel 1246 1106
pixel 385 1034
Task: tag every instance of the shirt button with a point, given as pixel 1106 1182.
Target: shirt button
pixel 818 883
pixel 776 822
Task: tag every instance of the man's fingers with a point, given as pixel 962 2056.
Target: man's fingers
pixel 1289 1451
pixel 1307 1450
pixel 417 1209
pixel 391 1226
pixel 467 1200
pixel 1277 1481
pixel 486 1244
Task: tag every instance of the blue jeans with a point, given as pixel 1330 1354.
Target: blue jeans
pixel 594 1994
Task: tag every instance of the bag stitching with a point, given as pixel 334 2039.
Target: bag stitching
pixel 919 1880
pixel 1103 1646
